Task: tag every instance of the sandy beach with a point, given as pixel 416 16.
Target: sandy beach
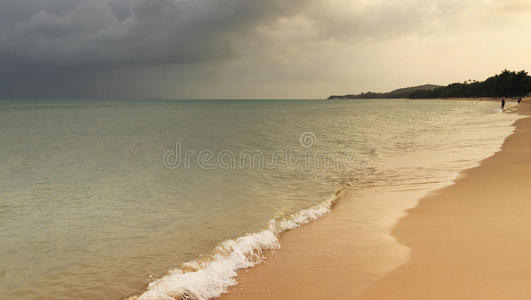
pixel 470 240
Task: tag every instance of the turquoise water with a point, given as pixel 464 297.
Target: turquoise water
pixel 97 198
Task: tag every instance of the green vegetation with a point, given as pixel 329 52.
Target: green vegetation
pixel 505 84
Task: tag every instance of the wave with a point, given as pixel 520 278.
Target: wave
pixel 208 278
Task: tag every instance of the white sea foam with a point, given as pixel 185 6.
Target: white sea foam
pixel 211 278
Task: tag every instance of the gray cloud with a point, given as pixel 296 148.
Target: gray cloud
pixel 47 42
pixel 122 32
pixel 96 48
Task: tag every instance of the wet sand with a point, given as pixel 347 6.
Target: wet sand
pixel 471 240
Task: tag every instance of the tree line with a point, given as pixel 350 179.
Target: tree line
pixel 505 84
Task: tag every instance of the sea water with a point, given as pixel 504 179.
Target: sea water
pixel 106 199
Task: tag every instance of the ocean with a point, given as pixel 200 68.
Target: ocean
pixel 108 199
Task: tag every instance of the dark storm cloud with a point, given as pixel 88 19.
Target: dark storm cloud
pixel 110 33
pixel 44 43
pixel 122 32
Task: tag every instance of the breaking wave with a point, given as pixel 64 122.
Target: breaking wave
pixel 208 278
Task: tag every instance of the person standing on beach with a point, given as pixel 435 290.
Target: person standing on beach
pixel 503 104
pixel 519 100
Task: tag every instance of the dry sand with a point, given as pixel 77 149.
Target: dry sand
pixel 471 240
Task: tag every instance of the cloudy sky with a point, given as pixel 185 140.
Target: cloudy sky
pixel 253 48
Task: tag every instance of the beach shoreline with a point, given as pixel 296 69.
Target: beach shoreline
pixel 479 99
pixel 395 269
pixel 470 240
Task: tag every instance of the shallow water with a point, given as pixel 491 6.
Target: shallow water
pixel 98 198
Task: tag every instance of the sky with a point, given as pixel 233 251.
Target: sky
pixel 278 49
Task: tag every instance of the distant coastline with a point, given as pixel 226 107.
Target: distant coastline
pixel 395 94
pixel 505 84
